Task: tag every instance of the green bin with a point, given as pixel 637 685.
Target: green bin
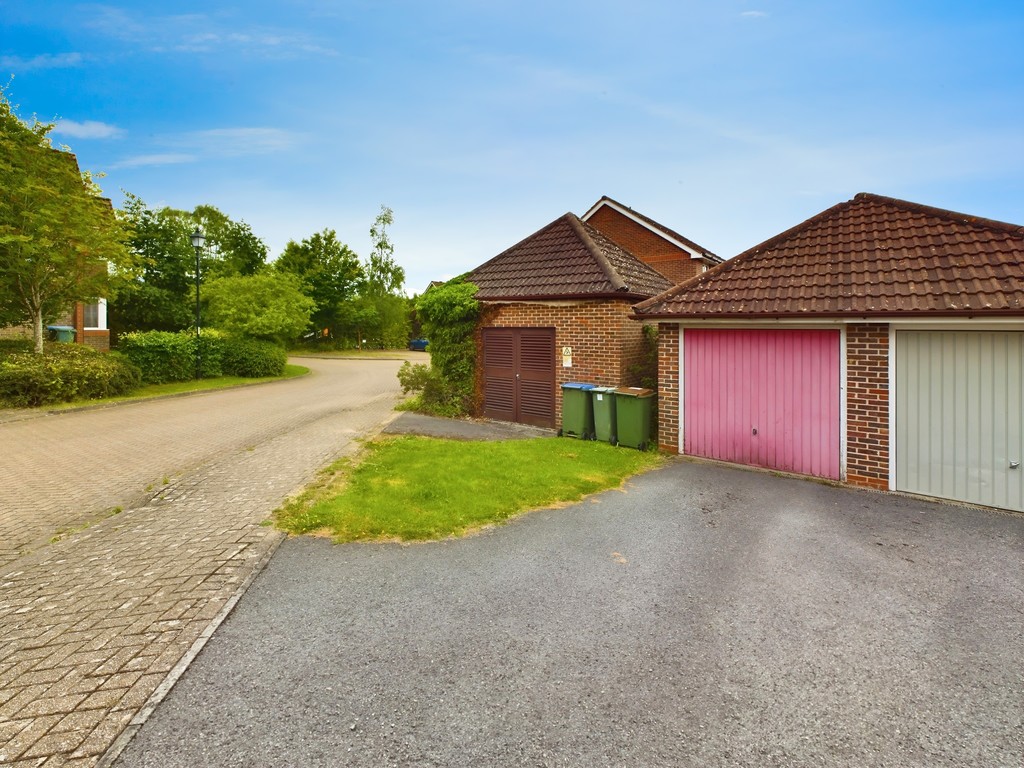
pixel 62 333
pixel 603 399
pixel 577 410
pixel 633 407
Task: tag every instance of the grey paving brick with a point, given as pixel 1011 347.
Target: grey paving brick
pixel 97 606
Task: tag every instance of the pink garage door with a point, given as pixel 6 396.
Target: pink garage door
pixel 767 398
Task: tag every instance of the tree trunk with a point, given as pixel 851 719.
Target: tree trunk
pixel 37 330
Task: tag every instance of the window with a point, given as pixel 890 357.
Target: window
pixel 96 315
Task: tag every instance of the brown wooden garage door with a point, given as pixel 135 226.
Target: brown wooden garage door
pixel 519 375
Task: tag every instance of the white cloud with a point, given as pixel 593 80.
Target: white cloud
pixel 201 33
pixel 754 14
pixel 87 129
pixel 42 61
pixel 167 158
pixel 240 141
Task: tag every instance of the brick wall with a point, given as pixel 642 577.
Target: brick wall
pixel 605 341
pixel 867 405
pixel 670 260
pixel 668 387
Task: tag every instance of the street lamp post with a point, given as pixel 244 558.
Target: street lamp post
pixel 198 240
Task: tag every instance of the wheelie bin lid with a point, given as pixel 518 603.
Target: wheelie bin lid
pixel 634 391
pixel 576 385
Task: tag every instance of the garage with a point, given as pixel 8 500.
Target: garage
pixel 959 415
pixel 769 398
pixel 519 375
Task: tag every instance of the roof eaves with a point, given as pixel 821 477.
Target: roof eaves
pixel 624 295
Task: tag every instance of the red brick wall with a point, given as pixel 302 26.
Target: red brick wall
pixel 605 341
pixel 97 339
pixel 867 405
pixel 670 260
pixel 668 387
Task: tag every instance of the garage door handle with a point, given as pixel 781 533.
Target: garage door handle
pixel 1014 464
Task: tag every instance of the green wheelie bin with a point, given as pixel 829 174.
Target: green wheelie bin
pixel 577 411
pixel 633 409
pixel 603 399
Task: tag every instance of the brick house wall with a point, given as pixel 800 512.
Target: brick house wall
pixel 867 405
pixel 668 387
pixel 605 341
pixel 670 260
pixel 97 338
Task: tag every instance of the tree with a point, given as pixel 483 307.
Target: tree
pixel 330 273
pixel 59 238
pixel 231 246
pixel 383 312
pixel 159 298
pixel 383 274
pixel 267 306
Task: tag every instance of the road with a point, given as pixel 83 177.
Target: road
pixel 706 616
pixel 97 606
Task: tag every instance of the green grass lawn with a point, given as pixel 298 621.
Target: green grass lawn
pixel 179 387
pixel 418 488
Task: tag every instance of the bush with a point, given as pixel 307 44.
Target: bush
pixel 253 358
pixel 14 346
pixel 163 356
pixel 449 316
pixel 64 372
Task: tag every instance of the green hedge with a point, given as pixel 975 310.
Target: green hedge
pixel 252 358
pixel 64 372
pixel 163 356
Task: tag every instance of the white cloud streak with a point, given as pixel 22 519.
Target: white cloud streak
pixel 42 61
pixel 167 158
pixel 88 129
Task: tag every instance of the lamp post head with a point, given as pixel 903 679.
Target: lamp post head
pixel 198 238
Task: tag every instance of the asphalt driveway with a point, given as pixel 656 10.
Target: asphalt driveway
pixel 706 616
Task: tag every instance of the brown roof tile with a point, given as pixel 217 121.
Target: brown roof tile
pixel 566 259
pixel 868 256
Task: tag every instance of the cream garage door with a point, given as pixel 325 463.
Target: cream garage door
pixel 960 415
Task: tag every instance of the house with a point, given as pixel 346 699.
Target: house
pixel 880 343
pixel 88 320
pixel 674 256
pixel 557 308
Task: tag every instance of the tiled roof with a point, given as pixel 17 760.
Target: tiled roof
pixel 656 227
pixel 566 259
pixel 871 255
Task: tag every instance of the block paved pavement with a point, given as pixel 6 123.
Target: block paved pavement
pixel 96 608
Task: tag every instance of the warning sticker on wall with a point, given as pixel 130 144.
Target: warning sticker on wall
pixel 567 357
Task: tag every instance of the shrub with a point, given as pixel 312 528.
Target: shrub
pixel 434 396
pixel 163 356
pixel 64 372
pixel 13 346
pixel 253 358
pixel 449 315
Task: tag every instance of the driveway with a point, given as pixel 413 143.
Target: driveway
pixel 705 616
pixel 97 605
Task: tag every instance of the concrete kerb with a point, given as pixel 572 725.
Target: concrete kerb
pixel 273 542
pixel 122 741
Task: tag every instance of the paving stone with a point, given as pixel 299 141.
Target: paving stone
pixel 92 620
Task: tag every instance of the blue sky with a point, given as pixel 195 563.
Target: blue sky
pixel 479 122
